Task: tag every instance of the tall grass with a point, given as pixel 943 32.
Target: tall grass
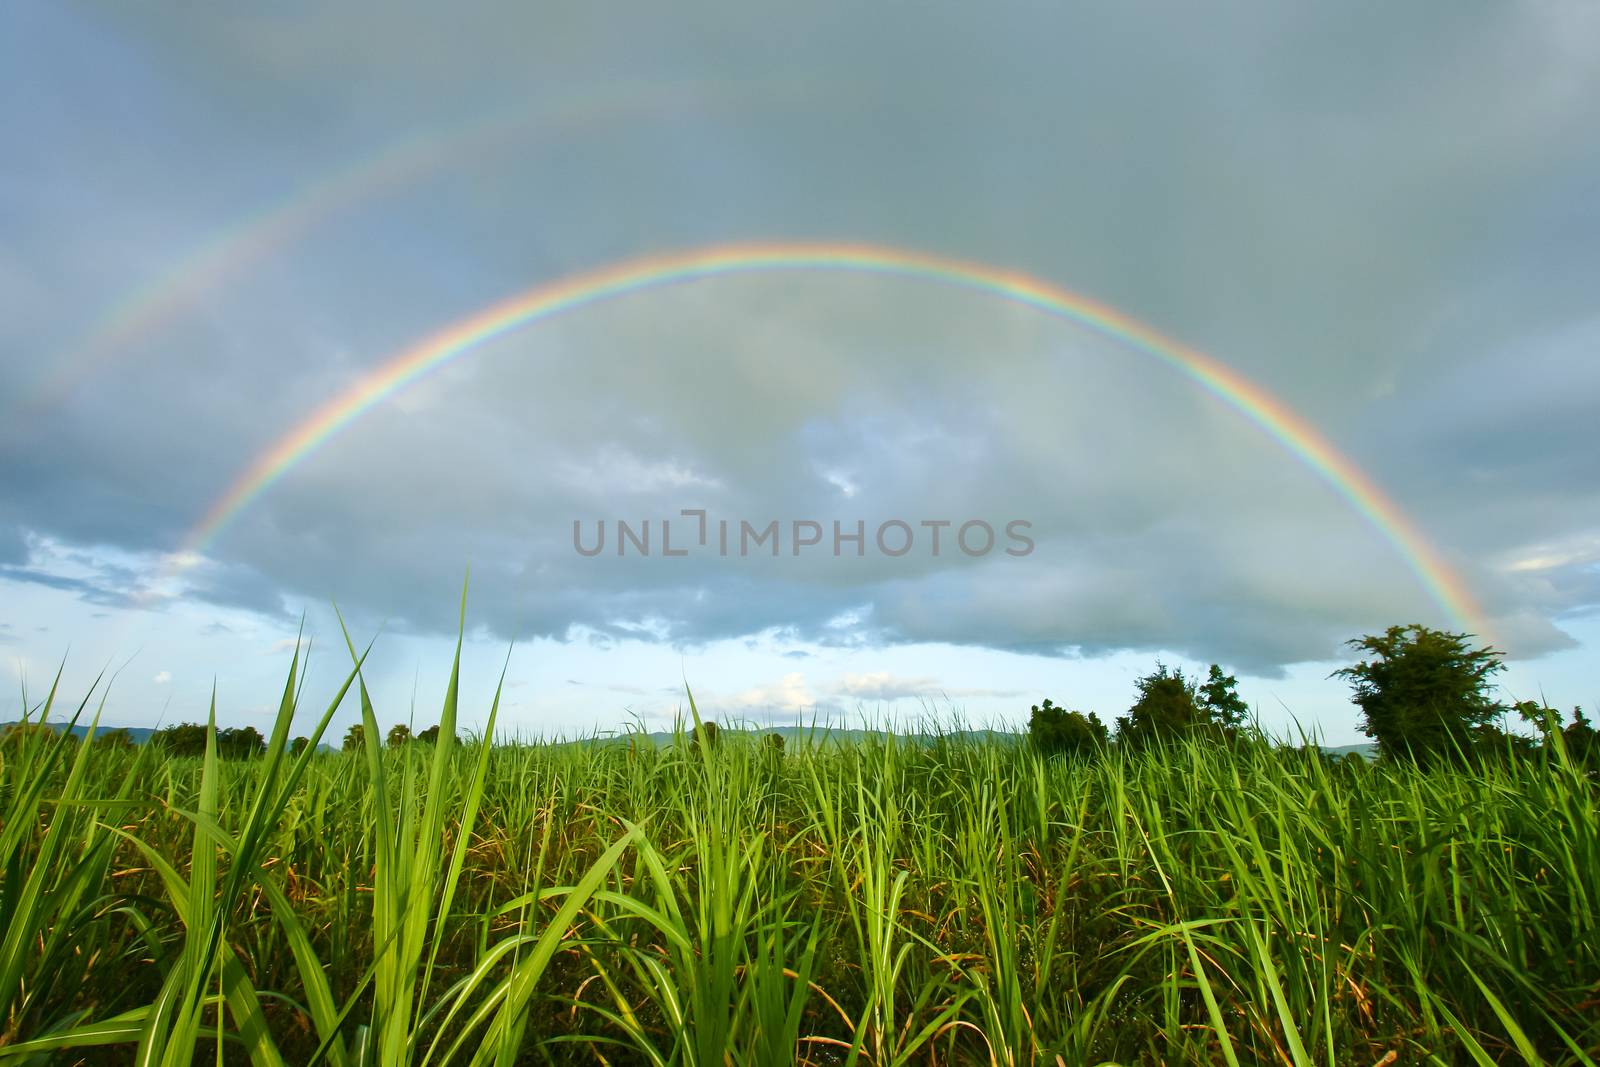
pixel 894 901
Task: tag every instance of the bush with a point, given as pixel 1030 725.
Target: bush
pixel 705 735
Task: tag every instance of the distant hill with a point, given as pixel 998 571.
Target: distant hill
pixel 815 735
pixel 138 734
pixel 1368 749
pixel 792 735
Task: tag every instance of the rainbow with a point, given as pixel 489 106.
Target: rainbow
pixel 587 289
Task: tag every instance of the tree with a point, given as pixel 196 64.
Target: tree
pixel 430 735
pixel 240 742
pixel 399 734
pixel 1582 740
pixel 1424 694
pixel 1168 707
pixel 1058 732
pixel 1578 737
pixel 181 739
pixel 118 738
pixel 355 739
pixel 299 745
pixel 1220 696
pixel 21 736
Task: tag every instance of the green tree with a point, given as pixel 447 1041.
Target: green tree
pixel 1220 696
pixel 114 738
pixel 181 739
pixel 1578 737
pixel 430 735
pixel 1058 732
pixel 1582 740
pixel 399 734
pixel 355 739
pixel 1168 707
pixel 19 736
pixel 1424 694
pixel 240 742
pixel 299 745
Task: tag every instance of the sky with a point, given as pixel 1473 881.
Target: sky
pixel 215 223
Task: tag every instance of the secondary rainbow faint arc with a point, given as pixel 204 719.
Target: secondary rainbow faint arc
pixel 211 265
pixel 1272 415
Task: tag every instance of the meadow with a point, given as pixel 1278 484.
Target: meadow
pixel 936 900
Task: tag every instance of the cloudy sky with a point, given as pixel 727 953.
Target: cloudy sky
pixel 213 224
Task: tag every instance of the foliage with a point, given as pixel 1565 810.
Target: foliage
pixel 189 739
pixel 114 738
pixel 1424 694
pixel 1582 740
pixel 429 736
pixel 398 735
pixel 182 739
pixel 1168 707
pixel 1579 737
pixel 1058 732
pixel 299 745
pixel 354 739
pixel 240 742
pixel 1220 698
pixel 705 735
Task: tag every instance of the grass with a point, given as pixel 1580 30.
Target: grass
pixel 883 902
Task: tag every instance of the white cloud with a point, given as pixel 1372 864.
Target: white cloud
pixel 162 677
pixel 789 694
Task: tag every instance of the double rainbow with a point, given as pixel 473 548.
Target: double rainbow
pixel 1274 417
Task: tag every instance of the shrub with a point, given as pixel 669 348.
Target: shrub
pixel 705 734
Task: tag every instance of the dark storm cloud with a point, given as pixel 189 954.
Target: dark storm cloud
pixel 1383 215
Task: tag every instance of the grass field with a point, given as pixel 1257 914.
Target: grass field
pixel 888 901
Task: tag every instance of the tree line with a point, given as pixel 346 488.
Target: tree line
pixel 1425 695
